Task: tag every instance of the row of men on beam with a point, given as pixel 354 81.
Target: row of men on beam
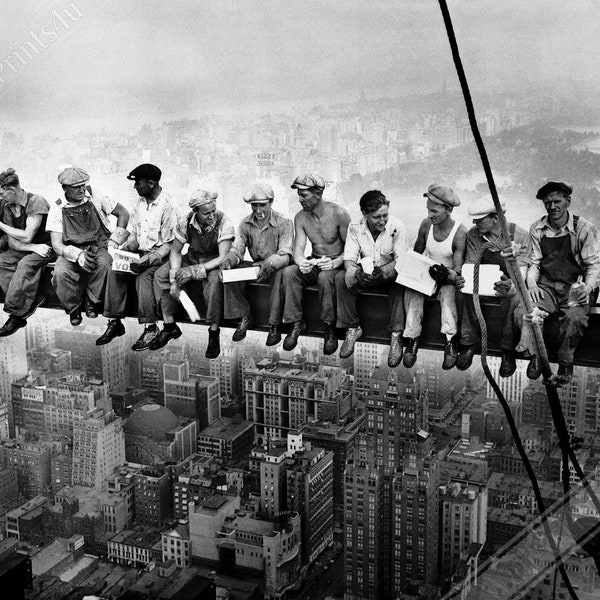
pixel 76 233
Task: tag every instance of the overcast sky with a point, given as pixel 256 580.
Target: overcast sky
pixel 170 58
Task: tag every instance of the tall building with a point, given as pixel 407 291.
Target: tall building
pixel 31 463
pixel 512 387
pixel 226 368
pixel 396 471
pixel 13 366
pixel 98 448
pixel 367 357
pixel 153 496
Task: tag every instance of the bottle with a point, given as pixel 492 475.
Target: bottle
pixel 574 292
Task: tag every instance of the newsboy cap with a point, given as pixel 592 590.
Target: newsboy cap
pixel 442 195
pixel 73 176
pixel 260 192
pixel 146 171
pixel 484 206
pixel 307 181
pixel 553 186
pixel 201 197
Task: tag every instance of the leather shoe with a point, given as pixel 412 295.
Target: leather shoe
pixel 508 365
pixel 330 343
pixel 12 324
pixel 534 368
pixel 147 337
pixel 274 336
pixel 564 375
pixel 214 346
pixel 242 329
pixel 450 355
pixel 114 329
pixel 353 334
pixel 410 354
pixel 75 318
pixel 465 358
pixel 91 309
pixel 39 301
pixel 164 337
pixel 396 350
pixel 291 339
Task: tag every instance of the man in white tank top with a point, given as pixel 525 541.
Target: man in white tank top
pixel 443 240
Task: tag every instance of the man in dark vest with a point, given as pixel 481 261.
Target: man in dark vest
pixel 23 220
pixel 485 238
pixel 81 233
pixel 209 234
pixel 564 248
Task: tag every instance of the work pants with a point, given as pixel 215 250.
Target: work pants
pixel 414 302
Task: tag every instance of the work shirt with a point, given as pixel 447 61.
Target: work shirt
pixel 15 215
pixel 274 238
pixel 103 204
pixel 390 244
pixel 585 246
pixel 476 241
pixel 226 228
pixel 153 223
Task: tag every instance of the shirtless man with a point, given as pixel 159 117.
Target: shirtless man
pixel 324 224
pixel 442 239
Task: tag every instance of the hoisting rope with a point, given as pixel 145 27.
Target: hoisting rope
pixel 517 279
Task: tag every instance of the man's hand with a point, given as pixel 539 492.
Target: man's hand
pixel 459 282
pixel 42 250
pixel 505 287
pixel 584 294
pixel 130 245
pixel 387 271
pixel 175 290
pixel 266 270
pixel 325 263
pixel 439 273
pixel 86 261
pixel 536 294
pixel 513 251
pixel 185 274
pixel 112 244
pixel 305 266
pixel 351 278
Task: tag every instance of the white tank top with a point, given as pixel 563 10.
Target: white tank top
pixel 441 252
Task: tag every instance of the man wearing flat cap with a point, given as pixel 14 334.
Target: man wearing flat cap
pixel 564 249
pixel 209 234
pixel 81 234
pixel 23 221
pixel 324 224
pixel 151 229
pixel 268 236
pixel 442 239
pixel 485 239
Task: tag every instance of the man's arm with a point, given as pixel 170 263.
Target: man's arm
pixel 300 244
pixel 21 238
pixel 236 253
pixel 590 256
pixel 459 246
pixel 120 234
pixel 421 240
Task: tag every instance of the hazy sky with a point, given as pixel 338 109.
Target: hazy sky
pixel 166 58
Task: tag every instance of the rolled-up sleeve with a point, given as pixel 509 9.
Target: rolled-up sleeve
pixel 238 248
pixel 180 229
pixel 352 246
pixel 590 254
pixel 226 230
pixel 534 253
pixel 168 224
pixel 400 241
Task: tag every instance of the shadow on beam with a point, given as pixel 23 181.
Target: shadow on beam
pixel 374 315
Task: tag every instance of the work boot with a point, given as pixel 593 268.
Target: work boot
pixel 465 357
pixel 410 354
pixel 353 334
pixel 395 353
pixel 508 365
pixel 75 318
pixel 114 329
pixel 291 339
pixel 214 346
pixel 274 336
pixel 564 375
pixel 91 309
pixel 242 329
pixel 151 332
pixel 169 332
pixel 330 343
pixel 13 323
pixel 450 355
pixel 534 368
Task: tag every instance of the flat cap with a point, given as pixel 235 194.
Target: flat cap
pixel 146 171
pixel 201 197
pixel 553 186
pixel 442 195
pixel 73 176
pixel 307 181
pixel 483 206
pixel 260 192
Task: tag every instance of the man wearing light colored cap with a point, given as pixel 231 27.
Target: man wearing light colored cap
pixel 485 238
pixel 151 232
pixel 442 239
pixel 23 220
pixel 565 249
pixel 209 234
pixel 81 234
pixel 324 224
pixel 268 236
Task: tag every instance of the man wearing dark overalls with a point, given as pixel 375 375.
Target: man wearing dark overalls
pixel 80 231
pixel 485 238
pixel 564 247
pixel 209 234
